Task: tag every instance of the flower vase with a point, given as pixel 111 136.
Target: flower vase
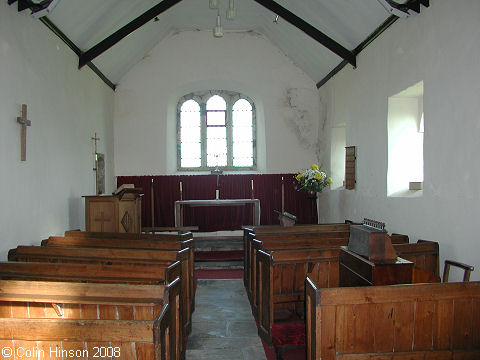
pixel 312 195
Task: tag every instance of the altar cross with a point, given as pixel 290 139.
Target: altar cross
pixel 24 122
pixel 95 168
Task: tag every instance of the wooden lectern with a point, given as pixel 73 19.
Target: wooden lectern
pixel 121 212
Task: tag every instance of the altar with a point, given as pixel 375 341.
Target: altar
pixel 180 205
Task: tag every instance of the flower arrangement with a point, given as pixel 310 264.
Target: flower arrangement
pixel 313 179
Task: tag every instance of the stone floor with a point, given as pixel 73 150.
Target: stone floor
pixel 223 324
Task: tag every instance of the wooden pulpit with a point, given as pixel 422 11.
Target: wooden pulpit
pixel 120 212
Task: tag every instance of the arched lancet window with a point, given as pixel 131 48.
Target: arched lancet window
pixel 216 129
pixel 242 136
pixel 216 121
pixel 190 135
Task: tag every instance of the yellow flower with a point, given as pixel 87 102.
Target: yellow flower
pixel 318 176
pixel 330 181
pixel 314 167
pixel 299 177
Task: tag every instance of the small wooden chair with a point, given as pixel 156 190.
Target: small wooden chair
pixel 467 269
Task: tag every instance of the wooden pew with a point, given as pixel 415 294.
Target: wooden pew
pixel 96 273
pixel 281 282
pixel 48 319
pixel 140 244
pixel 281 274
pixel 111 256
pixel 90 273
pixel 250 232
pixel 420 321
pixel 292 240
pixel 425 255
pixel 333 235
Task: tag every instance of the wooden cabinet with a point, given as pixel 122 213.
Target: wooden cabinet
pixel 355 270
pixel 114 213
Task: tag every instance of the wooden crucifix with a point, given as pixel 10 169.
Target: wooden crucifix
pixel 24 122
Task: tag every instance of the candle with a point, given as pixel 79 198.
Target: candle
pixel 217 194
pixel 180 186
pixel 252 184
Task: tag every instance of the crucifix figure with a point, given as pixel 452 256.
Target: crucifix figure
pixel 24 122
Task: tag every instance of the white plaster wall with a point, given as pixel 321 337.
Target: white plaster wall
pixel 42 196
pixel 147 96
pixel 441 46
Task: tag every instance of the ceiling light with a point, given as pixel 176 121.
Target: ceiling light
pixel 213 4
pixel 231 12
pixel 218 29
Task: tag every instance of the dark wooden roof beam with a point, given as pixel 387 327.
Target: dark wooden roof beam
pixel 118 35
pixel 384 26
pixel 415 5
pixel 311 31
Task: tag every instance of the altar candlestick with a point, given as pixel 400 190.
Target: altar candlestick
pixel 181 191
pixel 152 202
pixel 252 190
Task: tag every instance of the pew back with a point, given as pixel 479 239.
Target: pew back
pixel 128 319
pixel 420 321
pixel 118 257
pixel 281 281
pixel 425 255
pixel 140 244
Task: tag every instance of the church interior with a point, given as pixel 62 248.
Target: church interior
pixel 239 179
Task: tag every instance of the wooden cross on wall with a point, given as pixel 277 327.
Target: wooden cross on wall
pixel 24 122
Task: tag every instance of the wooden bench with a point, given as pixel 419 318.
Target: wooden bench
pixel 90 273
pixel 119 257
pixel 96 273
pixel 281 282
pixel 308 240
pixel 281 275
pixel 290 240
pixel 48 319
pixel 271 245
pixel 251 232
pixel 421 321
pixel 140 244
pixel 425 255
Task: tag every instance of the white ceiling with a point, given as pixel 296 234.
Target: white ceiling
pixel 348 22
